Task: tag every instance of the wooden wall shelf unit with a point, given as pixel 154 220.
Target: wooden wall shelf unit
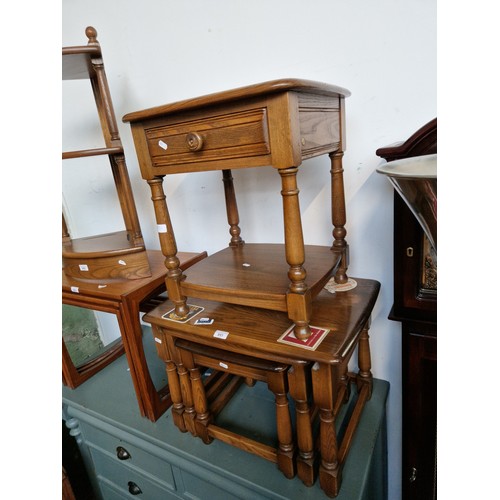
pixel 415 305
pixel 120 254
pixel 112 272
pixel 279 124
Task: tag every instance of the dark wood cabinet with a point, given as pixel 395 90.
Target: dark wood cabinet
pixel 415 306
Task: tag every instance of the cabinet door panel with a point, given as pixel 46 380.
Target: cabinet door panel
pixel 419 414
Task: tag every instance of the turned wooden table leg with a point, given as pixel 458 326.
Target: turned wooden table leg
pixel 298 388
pixel 188 413
pixel 298 295
pixel 344 387
pixel 277 383
pixel 233 218
pixel 126 198
pixel 325 389
pixel 339 215
pixel 202 412
pixel 173 379
pixel 364 360
pixel 168 248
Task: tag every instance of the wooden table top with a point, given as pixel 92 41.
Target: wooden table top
pixel 113 288
pixel 246 92
pixel 258 330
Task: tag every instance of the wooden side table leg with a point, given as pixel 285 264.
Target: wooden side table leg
pixel 152 405
pixel 325 388
pixel 278 385
pixel 298 388
pixel 173 378
pixel 339 215
pixel 168 248
pixel 345 383
pixel 176 394
pixel 298 296
pixel 364 360
pixel 233 218
pixel 132 341
pixel 188 413
pixel 203 417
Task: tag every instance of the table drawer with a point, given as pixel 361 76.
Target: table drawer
pixel 137 456
pixel 233 135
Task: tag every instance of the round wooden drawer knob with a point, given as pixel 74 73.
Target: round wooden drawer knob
pixel 194 141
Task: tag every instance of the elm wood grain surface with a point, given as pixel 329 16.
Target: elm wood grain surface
pixel 115 255
pixel 126 299
pixel 255 332
pixel 278 123
pixel 258 272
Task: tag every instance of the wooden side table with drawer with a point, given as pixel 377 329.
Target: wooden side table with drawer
pixel 280 124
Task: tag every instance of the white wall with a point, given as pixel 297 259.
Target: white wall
pixel 159 51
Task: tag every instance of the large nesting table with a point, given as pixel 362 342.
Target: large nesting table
pixel 256 333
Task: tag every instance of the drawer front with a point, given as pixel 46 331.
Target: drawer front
pixel 195 487
pixel 110 491
pixel 129 482
pixel 229 136
pixel 138 458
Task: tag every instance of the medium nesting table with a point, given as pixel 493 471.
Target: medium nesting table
pixel 256 332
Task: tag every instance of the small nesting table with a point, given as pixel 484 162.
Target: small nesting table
pixel 279 123
pixel 255 332
pixel 126 299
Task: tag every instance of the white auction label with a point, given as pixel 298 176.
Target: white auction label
pixel 220 334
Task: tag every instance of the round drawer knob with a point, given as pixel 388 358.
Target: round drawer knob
pixel 133 489
pixel 122 453
pixel 194 141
